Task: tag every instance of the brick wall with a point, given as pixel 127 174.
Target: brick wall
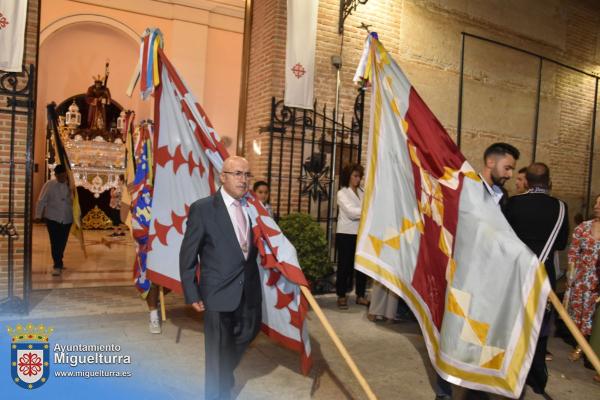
pixel 19 143
pixel 424 36
pixel 264 81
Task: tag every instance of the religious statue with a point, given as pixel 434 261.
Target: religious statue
pixel 97 97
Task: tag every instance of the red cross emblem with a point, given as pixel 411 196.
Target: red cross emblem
pixel 298 70
pixel 30 364
pixel 3 21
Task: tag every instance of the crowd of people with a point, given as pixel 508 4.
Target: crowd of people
pixel 538 219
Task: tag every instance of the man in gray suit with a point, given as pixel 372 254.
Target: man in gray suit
pixel 219 238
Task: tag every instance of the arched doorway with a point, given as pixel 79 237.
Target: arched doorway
pixel 72 51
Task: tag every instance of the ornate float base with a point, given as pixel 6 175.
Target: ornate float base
pixel 96 219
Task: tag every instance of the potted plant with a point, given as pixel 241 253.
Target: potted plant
pixel 310 242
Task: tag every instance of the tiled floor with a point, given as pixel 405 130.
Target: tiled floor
pixel 104 265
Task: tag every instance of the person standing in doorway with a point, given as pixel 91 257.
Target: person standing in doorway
pixel 55 206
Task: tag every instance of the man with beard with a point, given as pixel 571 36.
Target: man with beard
pixel 499 162
pixel 98 99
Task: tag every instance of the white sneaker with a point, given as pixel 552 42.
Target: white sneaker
pixel 155 326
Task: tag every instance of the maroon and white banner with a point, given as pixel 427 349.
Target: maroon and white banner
pixel 300 53
pixel 13 15
pixel 430 232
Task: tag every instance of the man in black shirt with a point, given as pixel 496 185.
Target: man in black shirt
pixel 533 216
pixel 542 223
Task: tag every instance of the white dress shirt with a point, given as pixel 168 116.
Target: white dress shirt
pixel 55 203
pixel 350 205
pixel 231 210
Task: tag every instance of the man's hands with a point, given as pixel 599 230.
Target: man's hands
pixel 198 306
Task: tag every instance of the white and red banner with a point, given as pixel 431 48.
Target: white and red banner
pixel 188 157
pixel 300 53
pixel 182 174
pixel 13 17
pixel 431 233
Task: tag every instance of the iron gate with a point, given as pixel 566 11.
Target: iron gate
pixel 17 100
pixel 307 150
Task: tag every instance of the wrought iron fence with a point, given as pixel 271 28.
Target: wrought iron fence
pixel 17 100
pixel 307 150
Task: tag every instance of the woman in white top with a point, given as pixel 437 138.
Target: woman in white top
pixel 349 201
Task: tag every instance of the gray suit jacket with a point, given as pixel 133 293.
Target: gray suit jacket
pixel 224 273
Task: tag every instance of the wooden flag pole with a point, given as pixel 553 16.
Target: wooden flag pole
pixel 585 346
pixel 338 343
pixel 161 296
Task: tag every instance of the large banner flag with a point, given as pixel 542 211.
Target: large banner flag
pixel 300 53
pixel 188 157
pixel 432 234
pixel 184 142
pixel 13 16
pixel 61 157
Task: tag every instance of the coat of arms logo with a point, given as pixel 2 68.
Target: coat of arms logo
pixel 30 355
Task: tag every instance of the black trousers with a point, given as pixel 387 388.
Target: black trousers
pixel 538 373
pixel 115 216
pixel 226 337
pixel 346 247
pixel 537 377
pixel 59 234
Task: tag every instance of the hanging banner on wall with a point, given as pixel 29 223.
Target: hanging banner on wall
pixel 13 15
pixel 300 53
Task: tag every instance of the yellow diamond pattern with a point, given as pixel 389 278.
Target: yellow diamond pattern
pixel 392 236
pixel 394 242
pixel 491 357
pixel 473 331
pixel 377 244
pixel 480 328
